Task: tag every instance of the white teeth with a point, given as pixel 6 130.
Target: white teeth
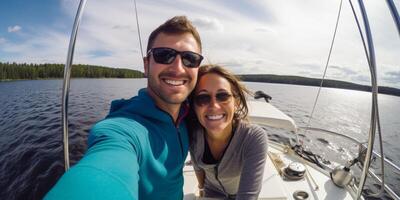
pixel 215 117
pixel 174 82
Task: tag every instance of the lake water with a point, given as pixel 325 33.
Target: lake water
pixel 31 153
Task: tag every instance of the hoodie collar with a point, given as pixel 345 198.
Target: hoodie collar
pixel 144 105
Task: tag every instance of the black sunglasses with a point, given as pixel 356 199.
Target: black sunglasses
pixel 164 55
pixel 205 99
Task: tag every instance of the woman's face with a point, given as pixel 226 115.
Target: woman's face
pixel 214 104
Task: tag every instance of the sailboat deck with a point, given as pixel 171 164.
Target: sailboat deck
pixel 275 187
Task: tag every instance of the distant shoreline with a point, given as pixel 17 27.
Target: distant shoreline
pixel 29 71
pixel 24 71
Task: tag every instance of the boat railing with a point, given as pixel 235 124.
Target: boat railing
pixel 375 154
pixel 362 149
pixel 331 133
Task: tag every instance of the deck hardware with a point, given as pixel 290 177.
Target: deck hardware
pixel 300 195
pixel 341 176
pixel 295 171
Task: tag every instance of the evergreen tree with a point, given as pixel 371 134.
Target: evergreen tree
pixel 15 71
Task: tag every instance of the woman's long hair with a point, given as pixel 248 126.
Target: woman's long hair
pixel 239 92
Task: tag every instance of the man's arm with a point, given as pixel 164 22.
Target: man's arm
pixel 109 169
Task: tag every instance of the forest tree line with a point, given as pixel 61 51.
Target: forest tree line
pixel 18 71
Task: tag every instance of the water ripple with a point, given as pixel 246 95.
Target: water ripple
pixel 31 148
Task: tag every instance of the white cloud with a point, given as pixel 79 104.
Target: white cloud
pixel 2 40
pixel 44 46
pixel 392 76
pixel 13 29
pixel 278 37
pixel 207 23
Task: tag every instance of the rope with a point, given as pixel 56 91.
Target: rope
pixel 138 27
pixel 361 34
pixel 313 158
pixel 276 161
pixel 326 67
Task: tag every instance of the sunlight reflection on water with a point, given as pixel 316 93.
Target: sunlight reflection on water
pixel 30 124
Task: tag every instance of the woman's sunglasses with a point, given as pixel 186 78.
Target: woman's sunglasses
pixel 164 55
pixel 205 99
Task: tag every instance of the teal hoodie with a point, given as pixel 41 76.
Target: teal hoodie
pixel 136 152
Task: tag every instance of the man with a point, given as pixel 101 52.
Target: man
pixel 138 150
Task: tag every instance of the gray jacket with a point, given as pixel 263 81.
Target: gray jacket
pixel 238 175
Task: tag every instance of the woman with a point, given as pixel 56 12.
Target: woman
pixel 228 153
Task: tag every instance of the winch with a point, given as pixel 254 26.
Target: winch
pixel 295 171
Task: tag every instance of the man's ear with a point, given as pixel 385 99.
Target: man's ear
pixel 146 66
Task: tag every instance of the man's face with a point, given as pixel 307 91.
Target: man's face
pixel 170 84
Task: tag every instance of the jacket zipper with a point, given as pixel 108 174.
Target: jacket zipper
pixel 216 166
pixel 180 140
pixel 216 177
pixel 178 121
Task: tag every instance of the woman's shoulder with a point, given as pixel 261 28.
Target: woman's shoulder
pixel 253 133
pixel 251 129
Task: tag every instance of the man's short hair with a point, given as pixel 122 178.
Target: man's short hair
pixel 175 25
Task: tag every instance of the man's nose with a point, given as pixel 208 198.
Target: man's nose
pixel 178 64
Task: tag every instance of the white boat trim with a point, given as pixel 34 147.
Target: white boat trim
pixel 263 113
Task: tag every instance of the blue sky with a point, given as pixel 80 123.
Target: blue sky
pixel 23 27
pixel 247 36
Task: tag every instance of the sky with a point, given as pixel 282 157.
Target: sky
pixel 288 37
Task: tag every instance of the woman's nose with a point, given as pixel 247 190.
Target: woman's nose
pixel 214 103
